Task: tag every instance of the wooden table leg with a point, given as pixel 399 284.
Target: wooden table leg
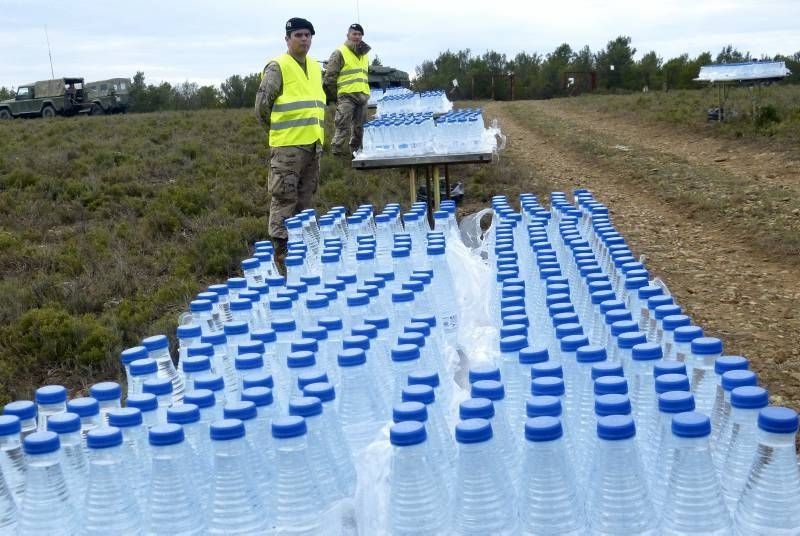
pixel 446 181
pixel 437 194
pixel 429 187
pixel 412 184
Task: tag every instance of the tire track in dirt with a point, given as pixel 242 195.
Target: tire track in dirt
pixel 740 295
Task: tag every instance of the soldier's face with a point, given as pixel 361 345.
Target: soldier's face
pixel 299 41
pixel 354 36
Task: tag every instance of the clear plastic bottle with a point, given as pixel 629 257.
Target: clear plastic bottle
pixel 88 410
pixel 682 349
pixel 296 499
pixel 549 502
pixel 768 504
pixel 72 453
pixel 722 406
pixel 8 508
pixel 110 506
pixel 694 503
pixel 516 387
pixel 162 389
pixel 618 501
pixel 12 458
pixel 198 459
pixel 259 448
pixel 360 408
pixel 506 442
pixel 25 410
pixel 141 370
pixel 484 503
pixel 172 506
pixel 147 403
pixel 158 349
pixel 128 356
pixel 642 383
pixel 417 500
pixel 50 400
pixel 235 505
pixel 137 450
pixel 47 506
pixel 705 351
pixel 108 395
pixel 439 433
pixel 319 449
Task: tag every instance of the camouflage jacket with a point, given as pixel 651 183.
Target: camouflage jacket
pixel 334 67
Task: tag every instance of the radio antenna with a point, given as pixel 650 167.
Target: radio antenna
pixel 358 12
pixel 49 53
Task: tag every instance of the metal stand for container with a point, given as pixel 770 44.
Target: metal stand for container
pixel 431 168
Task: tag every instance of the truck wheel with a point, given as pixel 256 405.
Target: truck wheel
pixel 48 112
pixel 5 114
pixel 97 110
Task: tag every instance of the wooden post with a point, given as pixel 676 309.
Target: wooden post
pixel 412 183
pixel 429 187
pixel 492 87
pixel 446 181
pixel 473 87
pixel 511 76
pixel 437 194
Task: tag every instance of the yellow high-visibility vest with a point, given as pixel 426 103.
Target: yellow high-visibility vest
pixel 298 114
pixel 354 76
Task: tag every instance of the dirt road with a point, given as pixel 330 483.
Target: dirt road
pixel 729 285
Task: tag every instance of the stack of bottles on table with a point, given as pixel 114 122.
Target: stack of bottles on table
pixel 376 94
pixel 406 102
pixel 420 134
pixel 602 410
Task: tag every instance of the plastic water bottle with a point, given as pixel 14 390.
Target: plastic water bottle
pixel 235 506
pixel 360 408
pixel 110 506
pixel 216 384
pixel 319 449
pixel 198 459
pixel 417 500
pixel 158 349
pixel 108 396
pixel 705 351
pixel 505 440
pixel 516 387
pixel 137 452
pixel 25 410
pixel 618 501
pixel 259 445
pixel 162 389
pixel 141 370
pixel 444 293
pixel 548 497
pixel 722 404
pixel 694 502
pixel 768 504
pixel 8 508
pixel 88 410
pixel 50 400
pixel 172 506
pixel 484 503
pixel 12 458
pixel 47 507
pixel 128 356
pixel 73 458
pixel 438 430
pixel 642 382
pixel 296 497
pixel 682 349
pixel 188 335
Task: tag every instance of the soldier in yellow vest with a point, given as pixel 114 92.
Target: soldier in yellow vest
pixel 290 105
pixel 346 82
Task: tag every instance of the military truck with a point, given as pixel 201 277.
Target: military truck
pixel 381 77
pixel 47 98
pixel 109 96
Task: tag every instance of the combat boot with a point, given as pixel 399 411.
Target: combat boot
pixel 280 250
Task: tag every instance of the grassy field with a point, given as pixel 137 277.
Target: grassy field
pixel 109 226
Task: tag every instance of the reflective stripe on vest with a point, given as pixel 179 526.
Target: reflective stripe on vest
pixel 298 114
pixel 354 76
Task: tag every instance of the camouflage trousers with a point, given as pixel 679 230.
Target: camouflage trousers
pixel 293 179
pixel 351 114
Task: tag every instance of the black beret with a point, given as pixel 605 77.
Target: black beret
pixel 296 23
pixel 357 27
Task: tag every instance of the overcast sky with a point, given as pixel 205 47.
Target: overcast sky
pixel 205 41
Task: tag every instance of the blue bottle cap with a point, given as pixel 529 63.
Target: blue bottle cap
pixel 473 431
pixel 406 433
pixel 649 291
pixel 543 429
pixel 197 362
pixel 632 283
pixel 356 341
pixel 199 349
pixel 255 380
pixel 399 296
pixel 730 362
pixel 418 393
pixel 105 391
pixel 129 355
pixel 600 296
pixel 691 424
pixel 143 366
pixel 142 402
pixel 226 430
pixel 125 417
pixel 424 377
pixel 157 386
pixel 260 396
pixel 405 352
pixel 615 427
pixel 675 402
pixel 669 367
pixel 543 405
pixel 409 411
pixel 156 342
pixel 214 339
pixel 749 397
pixel 672 382
pixel 9 425
pixel 613 404
pixel 183 414
pixel 219 290
pixel 318 333
pixel 357 299
pixel 616 315
pixel 324 391
pixel 287 427
pixel 610 385
pixel 548 368
pixel 306 406
pixel 672 322
pixel 647 351
pixel 533 354
pixel 304 344
pixel 317 301
pixel 547 385
pixel 64 423
pixel 571 343
pixel 165 434
pixel 778 420
pixel 51 394
pixel 513 343
pixel 41 443
pixel 212 382
pixel 243 410
pixel 236 282
pixel 661 299
pixel 663 311
pixel 623 326
pixel 307 378
pixel 279 304
pixel 606 368
pixel 491 389
pixel 202 398
pixel 517 323
pixel 476 408
pixel 631 339
pixel 379 322
pixel 706 346
pixel 351 357
pixel 84 406
pixel 235 328
pixel 331 323
pixel 367 330
pixel 738 378
pixel 300 359
pixel 241 304
pixel 591 353
pixel 687 333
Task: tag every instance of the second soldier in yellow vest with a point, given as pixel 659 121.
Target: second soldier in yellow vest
pixel 346 81
pixel 290 105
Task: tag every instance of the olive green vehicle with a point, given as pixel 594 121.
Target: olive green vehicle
pixel 109 96
pixel 47 98
pixel 381 77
